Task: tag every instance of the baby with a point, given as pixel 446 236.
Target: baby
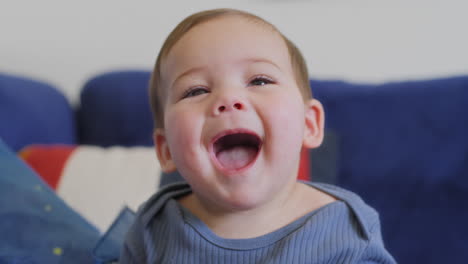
pixel 232 106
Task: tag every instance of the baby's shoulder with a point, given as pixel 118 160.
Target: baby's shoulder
pixel 158 201
pixel 366 216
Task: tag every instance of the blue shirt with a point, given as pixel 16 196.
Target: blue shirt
pixel 345 231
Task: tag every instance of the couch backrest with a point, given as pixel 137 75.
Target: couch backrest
pixel 34 112
pixel 403 147
pixel 114 110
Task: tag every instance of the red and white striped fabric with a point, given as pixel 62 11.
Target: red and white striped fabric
pixel 97 182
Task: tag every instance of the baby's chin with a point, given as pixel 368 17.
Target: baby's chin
pixel 242 200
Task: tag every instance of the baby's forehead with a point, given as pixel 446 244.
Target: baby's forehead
pixel 228 37
pixel 232 27
pixel 251 22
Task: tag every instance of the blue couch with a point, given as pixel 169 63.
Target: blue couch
pixel 402 146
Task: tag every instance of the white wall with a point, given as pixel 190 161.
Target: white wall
pixel 67 42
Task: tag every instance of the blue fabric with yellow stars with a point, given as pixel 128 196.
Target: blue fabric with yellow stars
pixel 36 226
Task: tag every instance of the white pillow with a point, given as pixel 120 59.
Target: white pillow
pixel 98 182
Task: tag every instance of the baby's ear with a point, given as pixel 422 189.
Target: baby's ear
pixel 162 151
pixel 314 124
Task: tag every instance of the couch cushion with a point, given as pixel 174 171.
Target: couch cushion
pixel 114 110
pixel 33 112
pixel 404 149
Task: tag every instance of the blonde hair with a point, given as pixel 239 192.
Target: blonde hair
pixel 156 91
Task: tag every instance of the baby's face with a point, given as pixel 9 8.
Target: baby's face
pixel 234 116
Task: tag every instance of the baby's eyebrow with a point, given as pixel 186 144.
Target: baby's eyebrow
pixel 187 72
pixel 261 60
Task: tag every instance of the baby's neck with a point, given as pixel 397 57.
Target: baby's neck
pixel 256 222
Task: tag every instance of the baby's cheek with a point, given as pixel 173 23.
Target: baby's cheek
pixel 178 131
pixel 290 111
pixel 290 121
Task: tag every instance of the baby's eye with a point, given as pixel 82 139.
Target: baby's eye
pixel 260 81
pixel 194 92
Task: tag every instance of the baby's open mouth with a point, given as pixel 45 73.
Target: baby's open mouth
pixel 235 151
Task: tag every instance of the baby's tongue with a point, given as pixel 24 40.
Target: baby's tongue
pixel 236 157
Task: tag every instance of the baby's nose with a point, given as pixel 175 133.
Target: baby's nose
pixel 230 106
pixel 237 106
